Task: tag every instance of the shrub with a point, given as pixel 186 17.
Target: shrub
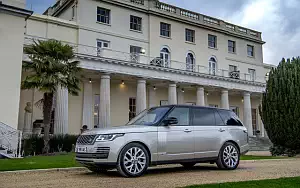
pixel 58 143
pixel 280 109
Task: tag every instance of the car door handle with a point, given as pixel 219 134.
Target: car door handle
pixel 221 130
pixel 245 131
pixel 187 130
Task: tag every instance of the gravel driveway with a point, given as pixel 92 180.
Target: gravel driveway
pixel 162 176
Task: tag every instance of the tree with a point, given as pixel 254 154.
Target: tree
pixel 51 67
pixel 280 109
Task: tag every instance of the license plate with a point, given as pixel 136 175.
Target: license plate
pixel 81 150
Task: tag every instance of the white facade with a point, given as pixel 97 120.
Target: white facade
pixel 119 84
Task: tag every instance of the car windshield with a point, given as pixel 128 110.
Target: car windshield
pixel 149 117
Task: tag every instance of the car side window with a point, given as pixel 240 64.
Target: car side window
pixel 219 121
pixel 182 114
pixel 229 118
pixel 203 117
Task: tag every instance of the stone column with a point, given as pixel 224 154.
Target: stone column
pixel 180 96
pixel 104 108
pixel 152 97
pixel 247 113
pixel 61 122
pixel 141 103
pixel 172 99
pixel 200 96
pixel 224 99
pixel 88 105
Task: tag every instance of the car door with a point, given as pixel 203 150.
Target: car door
pixel 235 127
pixel 176 142
pixel 207 133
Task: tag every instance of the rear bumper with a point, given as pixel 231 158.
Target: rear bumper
pixel 244 149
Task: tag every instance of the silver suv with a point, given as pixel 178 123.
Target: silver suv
pixel 166 135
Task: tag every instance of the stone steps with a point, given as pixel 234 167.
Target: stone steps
pixel 259 144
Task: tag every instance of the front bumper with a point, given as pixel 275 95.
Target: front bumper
pixel 100 152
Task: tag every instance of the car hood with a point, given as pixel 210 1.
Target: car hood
pixel 121 129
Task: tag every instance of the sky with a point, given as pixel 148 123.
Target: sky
pixel 276 19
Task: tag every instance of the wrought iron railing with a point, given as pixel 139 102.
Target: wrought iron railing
pixel 91 51
pixel 10 140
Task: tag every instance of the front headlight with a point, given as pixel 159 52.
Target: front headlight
pixel 108 137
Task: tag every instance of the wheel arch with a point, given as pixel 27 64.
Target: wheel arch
pixel 233 142
pixel 137 142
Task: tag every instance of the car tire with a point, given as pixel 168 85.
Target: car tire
pixel 133 160
pixel 229 157
pixel 188 164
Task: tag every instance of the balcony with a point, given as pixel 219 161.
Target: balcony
pixel 91 52
pixel 158 62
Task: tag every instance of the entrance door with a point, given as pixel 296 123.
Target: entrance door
pixel 165 57
pixel 254 121
pixel 176 142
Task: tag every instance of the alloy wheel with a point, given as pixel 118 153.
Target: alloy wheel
pixel 230 156
pixel 134 160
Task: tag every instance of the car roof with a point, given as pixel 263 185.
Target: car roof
pixel 193 106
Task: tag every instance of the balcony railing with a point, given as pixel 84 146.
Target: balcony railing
pixel 159 62
pixel 91 51
pixel 165 7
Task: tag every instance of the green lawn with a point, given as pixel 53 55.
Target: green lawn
pixel 250 157
pixel 38 162
pixel 276 183
pixel 64 161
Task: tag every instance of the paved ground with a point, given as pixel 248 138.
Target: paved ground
pixel 259 153
pixel 166 176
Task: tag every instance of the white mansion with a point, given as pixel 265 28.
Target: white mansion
pixel 135 54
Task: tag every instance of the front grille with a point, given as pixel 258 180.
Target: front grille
pixel 86 139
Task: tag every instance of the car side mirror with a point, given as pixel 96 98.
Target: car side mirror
pixel 170 121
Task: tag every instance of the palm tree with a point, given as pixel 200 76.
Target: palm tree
pixel 51 67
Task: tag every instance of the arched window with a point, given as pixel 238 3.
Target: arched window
pixel 190 62
pixel 212 66
pixel 165 57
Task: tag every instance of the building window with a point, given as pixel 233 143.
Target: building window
pixel 165 29
pixel 212 41
pixel 250 50
pixel 103 15
pixel 231 46
pixel 132 108
pixel 235 109
pixel 190 62
pixel 232 68
pixel 135 53
pixel 101 44
pixel 96 110
pixel 73 12
pixel 252 74
pixel 135 23
pixel 233 72
pixel 190 35
pixel 212 66
pixel 165 57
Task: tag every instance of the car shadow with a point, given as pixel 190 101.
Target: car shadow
pixel 152 171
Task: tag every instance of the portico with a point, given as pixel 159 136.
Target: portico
pixel 108 99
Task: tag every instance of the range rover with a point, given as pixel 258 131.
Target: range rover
pixel 171 134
